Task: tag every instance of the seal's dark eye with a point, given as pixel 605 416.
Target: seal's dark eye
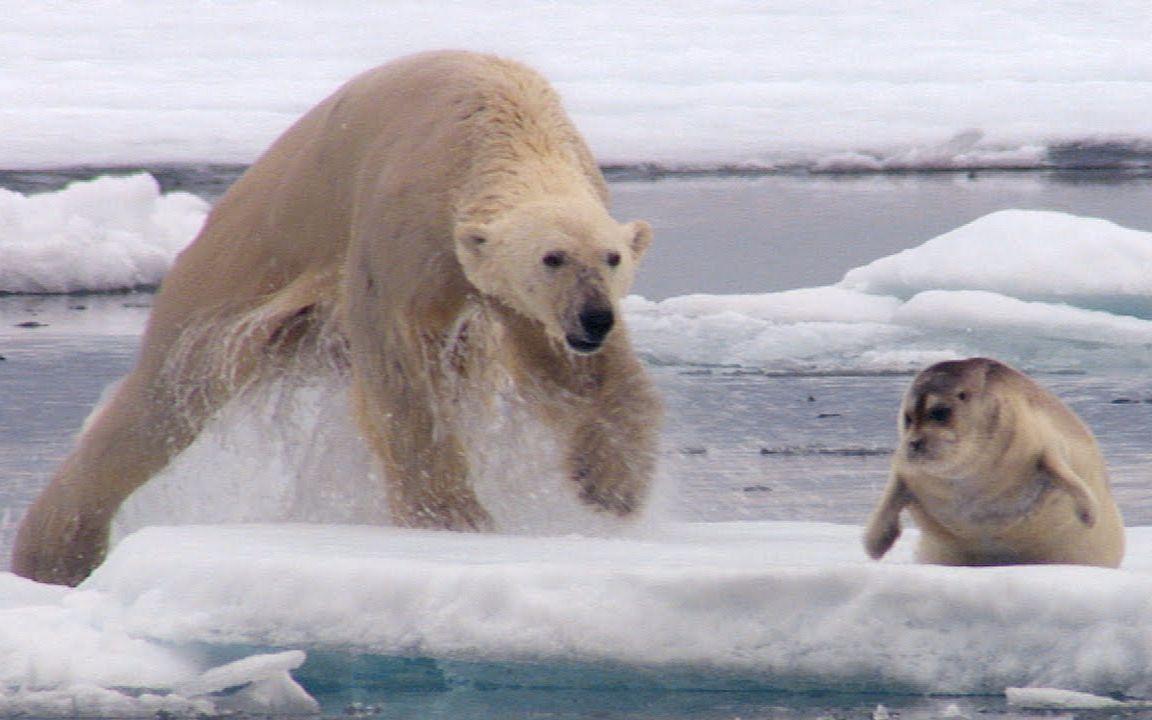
pixel 553 259
pixel 613 259
pixel 940 414
pixel 962 395
pixel 907 420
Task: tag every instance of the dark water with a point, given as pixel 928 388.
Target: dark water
pixel 738 444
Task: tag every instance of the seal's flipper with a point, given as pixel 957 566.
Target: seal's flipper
pixel 884 526
pixel 1056 470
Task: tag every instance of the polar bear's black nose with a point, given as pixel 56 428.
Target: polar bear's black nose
pixel 596 323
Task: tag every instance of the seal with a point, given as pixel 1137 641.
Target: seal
pixel 996 470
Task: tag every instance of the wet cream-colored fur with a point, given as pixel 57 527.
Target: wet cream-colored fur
pixel 434 228
pixel 996 470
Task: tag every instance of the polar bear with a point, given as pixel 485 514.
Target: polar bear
pixel 434 228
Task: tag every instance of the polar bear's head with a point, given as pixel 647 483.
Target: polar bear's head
pixel 565 265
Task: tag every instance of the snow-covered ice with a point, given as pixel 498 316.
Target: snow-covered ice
pixel 788 606
pixel 833 85
pixel 1028 254
pixel 67 653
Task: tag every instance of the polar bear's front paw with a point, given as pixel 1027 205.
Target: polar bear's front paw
pixel 619 497
pixel 461 513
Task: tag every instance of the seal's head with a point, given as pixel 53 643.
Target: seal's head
pixel 949 415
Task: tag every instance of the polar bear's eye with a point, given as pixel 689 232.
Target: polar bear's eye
pixel 613 259
pixel 556 258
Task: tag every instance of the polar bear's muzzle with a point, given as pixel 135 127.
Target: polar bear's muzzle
pixel 595 323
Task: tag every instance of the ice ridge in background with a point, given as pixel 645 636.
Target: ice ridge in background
pixel 836 86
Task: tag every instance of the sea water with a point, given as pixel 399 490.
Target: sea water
pixel 755 441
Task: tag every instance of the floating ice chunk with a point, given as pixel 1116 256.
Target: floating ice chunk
pixel 806 329
pixel 952 710
pixel 788 606
pixel 88 700
pixel 243 671
pixel 818 304
pixel 111 233
pixel 276 695
pixel 1028 254
pixel 68 652
pixel 264 681
pixel 1056 699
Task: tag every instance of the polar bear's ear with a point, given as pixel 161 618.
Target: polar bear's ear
pixel 470 237
pixel 641 233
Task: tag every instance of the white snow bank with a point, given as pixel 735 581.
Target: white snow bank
pixel 1028 254
pixel 789 606
pixel 111 233
pixel 838 84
